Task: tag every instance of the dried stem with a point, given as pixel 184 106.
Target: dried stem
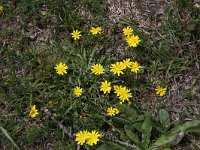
pixel 63 128
pixel 114 139
pixel 60 125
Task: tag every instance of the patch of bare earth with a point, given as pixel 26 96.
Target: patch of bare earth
pixel 140 11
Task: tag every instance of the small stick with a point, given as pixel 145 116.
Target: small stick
pixel 114 139
pixel 60 125
pixel 63 128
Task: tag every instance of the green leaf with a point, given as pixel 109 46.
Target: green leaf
pixel 117 146
pixel 123 136
pixel 131 134
pixel 105 147
pixel 164 118
pixel 146 130
pixel 138 123
pixel 194 130
pixel 130 113
pixel 112 146
pixel 8 136
pixel 176 134
pixel 121 120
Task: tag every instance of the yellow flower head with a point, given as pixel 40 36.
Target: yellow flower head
pixel 81 137
pixel 160 90
pixel 34 112
pixel 96 30
pixel 135 67
pixel 122 92
pixel 78 91
pixel 127 31
pixel 76 34
pixel 112 111
pixel 61 68
pixel 97 69
pixel 105 87
pixel 117 89
pixel 93 138
pixel 127 63
pixel 117 68
pixel 132 40
pixel 1 9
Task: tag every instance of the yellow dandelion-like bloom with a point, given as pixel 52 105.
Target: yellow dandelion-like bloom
pixel 160 90
pixel 117 68
pixel 135 67
pixel 82 136
pixel 132 40
pixel 93 138
pixel 124 94
pixel 116 111
pixel 105 87
pixel 34 112
pixel 96 30
pixel 61 68
pixel 78 91
pixel 1 8
pixel 127 63
pixel 97 69
pixel 76 34
pixel 127 31
pixel 117 89
pixel 112 111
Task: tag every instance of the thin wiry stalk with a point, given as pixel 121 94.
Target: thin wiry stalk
pixel 64 129
pixel 60 125
pixel 114 139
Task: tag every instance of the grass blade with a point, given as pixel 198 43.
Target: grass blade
pixel 8 136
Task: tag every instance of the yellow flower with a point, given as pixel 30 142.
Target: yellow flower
pixel 133 41
pixel 34 112
pixel 160 90
pixel 96 30
pixel 105 87
pixel 127 31
pixel 122 93
pixel 112 111
pixel 78 91
pixel 81 137
pixel 61 68
pixel 117 68
pixel 117 89
pixel 135 67
pixel 1 9
pixel 116 111
pixel 97 69
pixel 76 34
pixel 93 138
pixel 127 63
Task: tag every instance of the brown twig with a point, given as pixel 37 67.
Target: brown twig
pixel 60 125
pixel 63 128
pixel 114 139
